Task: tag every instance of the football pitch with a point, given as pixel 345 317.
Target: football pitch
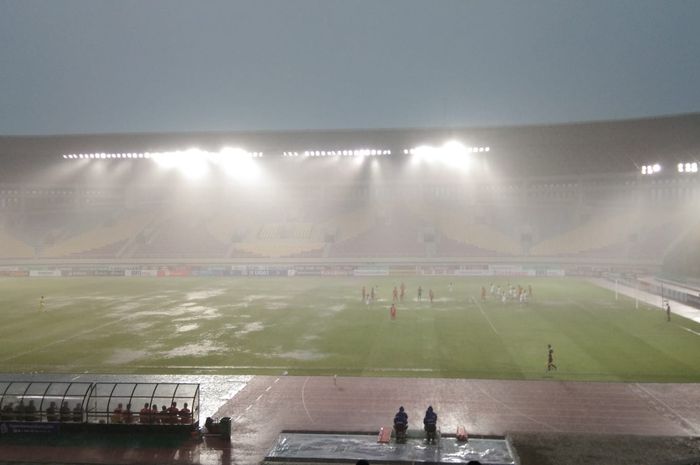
pixel 321 326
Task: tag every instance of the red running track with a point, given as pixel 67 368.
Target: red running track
pixel 268 405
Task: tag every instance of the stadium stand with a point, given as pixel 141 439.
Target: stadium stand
pixel 279 249
pixel 349 225
pixel 478 239
pixel 178 237
pixel 447 247
pixel 391 236
pixel 683 259
pixel 568 193
pixel 616 234
pixel 104 241
pixel 11 247
pixel 276 240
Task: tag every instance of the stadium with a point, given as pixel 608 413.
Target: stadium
pixel 313 281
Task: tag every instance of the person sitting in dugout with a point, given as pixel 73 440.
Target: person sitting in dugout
pixel 173 414
pixel 30 412
pixel 185 415
pixel 8 412
pixel 78 412
pixel 155 419
pixel 65 412
pixel 117 414
pixel 52 412
pixel 19 411
pixel 164 416
pixel 145 415
pixel 127 415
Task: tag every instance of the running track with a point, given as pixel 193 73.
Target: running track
pixel 268 405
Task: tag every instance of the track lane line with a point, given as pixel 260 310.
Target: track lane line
pixel 303 401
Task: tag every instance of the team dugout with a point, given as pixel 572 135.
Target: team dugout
pixel 102 403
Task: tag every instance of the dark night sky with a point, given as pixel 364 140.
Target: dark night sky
pixel 161 65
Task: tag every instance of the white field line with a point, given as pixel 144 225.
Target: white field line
pixel 303 402
pixel 688 329
pixel 485 316
pixel 688 422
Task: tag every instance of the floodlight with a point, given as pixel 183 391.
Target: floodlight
pixel 680 167
pixel 238 164
pixel 657 168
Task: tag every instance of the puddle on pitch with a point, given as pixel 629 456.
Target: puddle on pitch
pixel 250 328
pixel 204 294
pixel 200 349
pixel 185 328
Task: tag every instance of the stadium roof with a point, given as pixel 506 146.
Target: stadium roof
pixel 543 150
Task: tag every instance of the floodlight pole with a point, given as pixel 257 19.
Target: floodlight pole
pixel 615 288
pixel 636 294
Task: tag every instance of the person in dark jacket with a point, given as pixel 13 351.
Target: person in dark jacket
pixel 430 423
pixel 52 412
pixel 30 412
pixel 401 417
pixel 64 412
pixel 401 424
pixel 78 412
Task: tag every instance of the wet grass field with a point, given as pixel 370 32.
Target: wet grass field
pixel 321 326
